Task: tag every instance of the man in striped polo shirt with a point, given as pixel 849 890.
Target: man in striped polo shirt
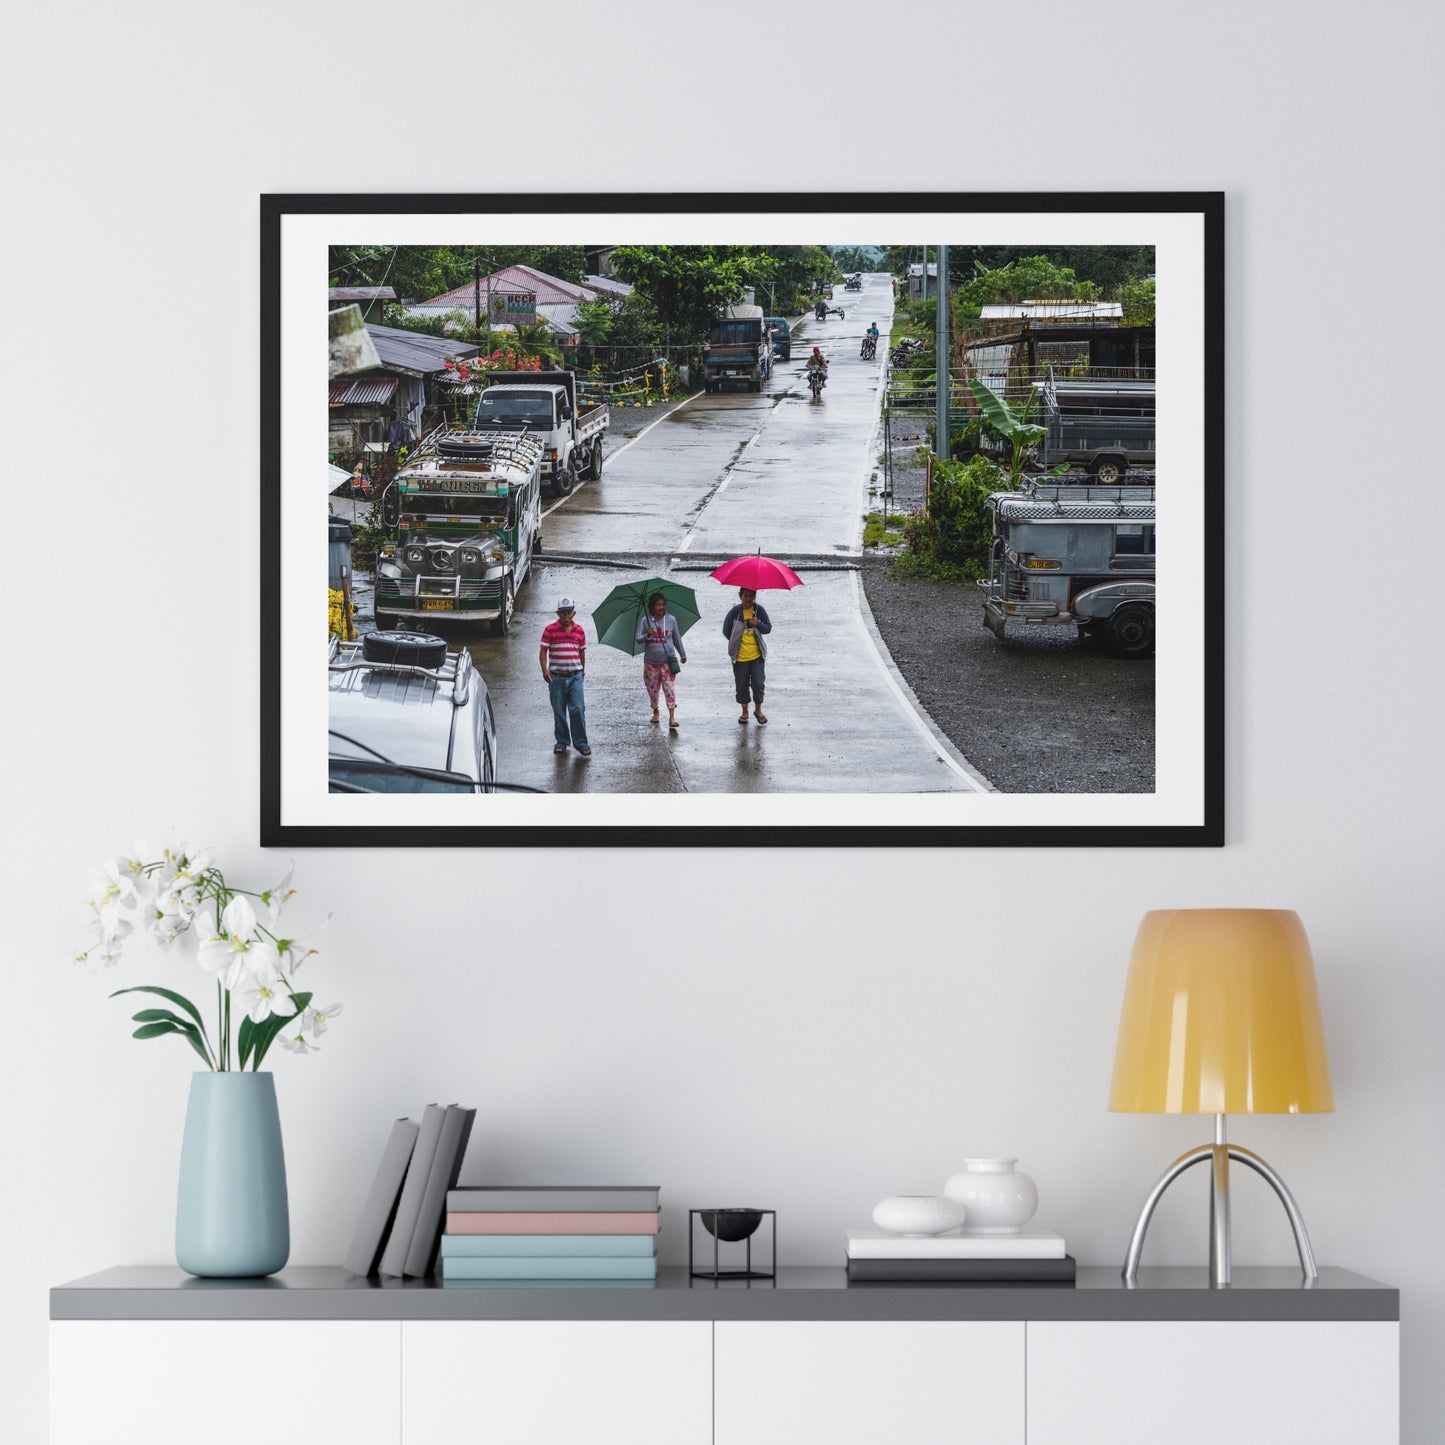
pixel 564 664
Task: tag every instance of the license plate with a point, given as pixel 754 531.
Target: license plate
pixel 440 604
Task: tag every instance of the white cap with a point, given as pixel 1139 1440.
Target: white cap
pixel 566 604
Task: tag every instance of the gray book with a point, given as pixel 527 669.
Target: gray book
pixel 408 1208
pixel 380 1207
pixel 559 1199
pixel 446 1165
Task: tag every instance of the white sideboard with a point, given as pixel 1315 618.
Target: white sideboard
pixel 322 1357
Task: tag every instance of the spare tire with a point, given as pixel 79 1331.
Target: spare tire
pixel 466 450
pixel 415 649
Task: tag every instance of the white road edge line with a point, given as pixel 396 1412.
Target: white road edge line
pixel 974 781
pixel 562 501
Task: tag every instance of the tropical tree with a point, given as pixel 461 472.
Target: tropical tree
pixel 688 286
pixel 1013 427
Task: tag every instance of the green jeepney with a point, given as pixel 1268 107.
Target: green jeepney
pixel 468 522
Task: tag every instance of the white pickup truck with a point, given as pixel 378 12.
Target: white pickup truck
pixel 544 405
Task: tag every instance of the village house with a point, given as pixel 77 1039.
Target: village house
pixel 375 411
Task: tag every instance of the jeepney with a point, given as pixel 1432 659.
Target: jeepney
pixel 1081 555
pixel 468 522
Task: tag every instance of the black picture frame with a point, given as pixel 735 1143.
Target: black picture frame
pixel 1200 821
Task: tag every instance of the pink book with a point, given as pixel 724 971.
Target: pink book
pixel 554 1223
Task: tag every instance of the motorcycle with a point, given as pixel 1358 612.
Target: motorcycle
pixel 820 311
pixel 853 283
pixel 870 348
pixel 906 350
pixel 816 377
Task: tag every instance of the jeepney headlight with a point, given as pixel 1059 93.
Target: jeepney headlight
pixel 441 559
pixel 1041 564
pixel 416 555
pixel 470 556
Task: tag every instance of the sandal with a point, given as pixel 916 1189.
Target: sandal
pixel 654 719
pixel 672 722
pixel 743 720
pixel 761 718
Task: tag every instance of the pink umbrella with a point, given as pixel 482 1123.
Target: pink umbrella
pixel 757 572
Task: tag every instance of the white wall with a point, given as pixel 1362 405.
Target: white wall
pixel 844 1052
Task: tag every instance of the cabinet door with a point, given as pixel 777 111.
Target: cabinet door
pixel 225 1382
pixel 852 1383
pixel 557 1382
pixel 1328 1383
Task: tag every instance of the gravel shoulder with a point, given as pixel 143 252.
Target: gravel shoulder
pixel 1039 713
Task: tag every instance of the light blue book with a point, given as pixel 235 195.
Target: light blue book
pixel 553 1267
pixel 539 1246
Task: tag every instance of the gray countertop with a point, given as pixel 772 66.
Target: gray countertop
pixel 799 1293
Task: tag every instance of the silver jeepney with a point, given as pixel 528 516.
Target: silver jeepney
pixel 1074 554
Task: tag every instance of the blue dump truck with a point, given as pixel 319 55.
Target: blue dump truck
pixel 739 349
pixel 782 332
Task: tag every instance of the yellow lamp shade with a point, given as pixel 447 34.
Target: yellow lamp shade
pixel 1221 1016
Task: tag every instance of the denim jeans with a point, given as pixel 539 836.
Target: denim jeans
pixel 568 705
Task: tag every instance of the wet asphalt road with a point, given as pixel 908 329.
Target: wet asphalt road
pixel 718 476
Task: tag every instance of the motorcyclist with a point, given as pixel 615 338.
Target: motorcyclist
pixel 818 362
pixel 870 340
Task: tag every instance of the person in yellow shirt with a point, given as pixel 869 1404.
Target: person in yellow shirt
pixel 746 627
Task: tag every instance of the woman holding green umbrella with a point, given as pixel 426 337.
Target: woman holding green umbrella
pixel 662 655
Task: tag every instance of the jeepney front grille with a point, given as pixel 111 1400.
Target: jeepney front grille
pixel 403 594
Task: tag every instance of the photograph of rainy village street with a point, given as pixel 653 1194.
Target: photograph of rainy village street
pixel 639 520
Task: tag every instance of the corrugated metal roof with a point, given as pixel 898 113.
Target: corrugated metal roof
pixel 1022 310
pixel 514 278
pixel 414 351
pixel 607 283
pixel 366 391
pixel 361 293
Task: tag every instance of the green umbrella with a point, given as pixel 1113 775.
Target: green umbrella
pixel 619 614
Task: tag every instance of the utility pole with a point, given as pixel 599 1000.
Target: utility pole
pixel 944 372
pixel 477 294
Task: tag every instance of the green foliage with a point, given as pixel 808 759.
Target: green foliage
pixel 1012 427
pixel 1138 301
pixel 879 530
pixel 418 273
pixel 1027 278
pixel 158 1022
pixel 689 286
pixel 951 538
pixel 595 320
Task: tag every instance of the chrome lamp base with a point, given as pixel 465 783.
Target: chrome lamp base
pixel 1219 1154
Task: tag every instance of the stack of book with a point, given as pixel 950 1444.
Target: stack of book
pixel 571 1232
pixel 400 1227
pixel 1032 1256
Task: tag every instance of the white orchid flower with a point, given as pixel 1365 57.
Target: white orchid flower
pixel 231 946
pixel 111 889
pixel 317 1020
pixel 261 1000
pixel 291 953
pixel 277 897
pixel 293 1037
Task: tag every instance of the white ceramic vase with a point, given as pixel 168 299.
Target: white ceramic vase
pixel 997 1198
pixel 916 1216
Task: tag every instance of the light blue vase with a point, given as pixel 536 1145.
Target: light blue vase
pixel 231 1217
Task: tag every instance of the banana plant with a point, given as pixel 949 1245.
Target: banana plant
pixel 1015 428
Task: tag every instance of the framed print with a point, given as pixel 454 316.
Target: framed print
pixel 682 539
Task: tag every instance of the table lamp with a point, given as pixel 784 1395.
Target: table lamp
pixel 1221 1016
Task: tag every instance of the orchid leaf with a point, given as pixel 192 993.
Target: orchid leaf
pixel 246 1039
pixel 178 999
pixel 154 1031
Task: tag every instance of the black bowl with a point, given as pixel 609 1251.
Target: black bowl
pixel 731 1226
